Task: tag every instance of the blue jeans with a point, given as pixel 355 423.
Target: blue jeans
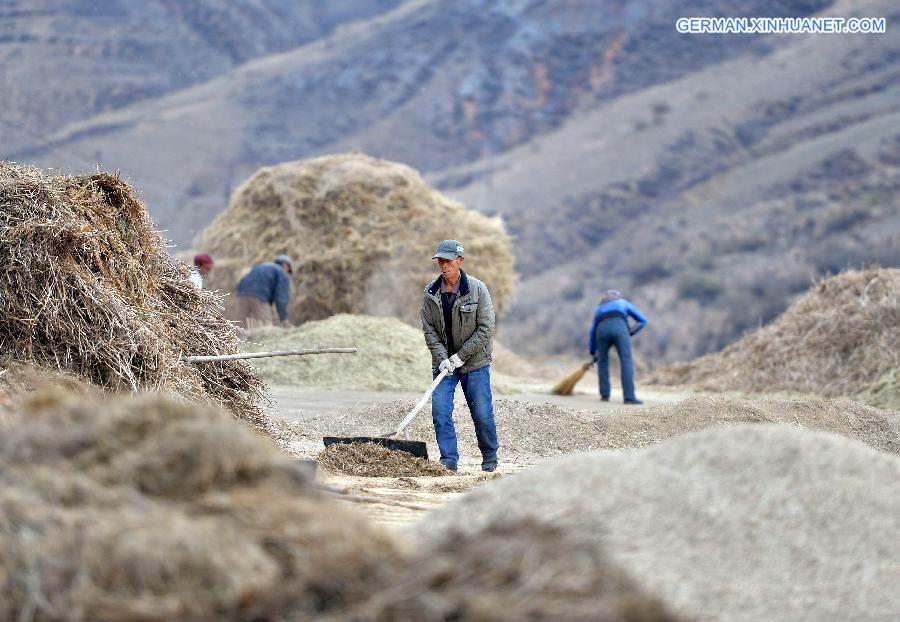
pixel 614 332
pixel 476 386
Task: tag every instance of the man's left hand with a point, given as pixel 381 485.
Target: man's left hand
pixel 456 361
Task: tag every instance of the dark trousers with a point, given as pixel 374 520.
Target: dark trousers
pixel 614 332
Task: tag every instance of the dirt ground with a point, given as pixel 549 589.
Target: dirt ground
pixel 397 501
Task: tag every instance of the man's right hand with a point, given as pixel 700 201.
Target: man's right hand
pixel 446 364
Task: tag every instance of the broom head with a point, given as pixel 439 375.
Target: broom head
pixel 567 384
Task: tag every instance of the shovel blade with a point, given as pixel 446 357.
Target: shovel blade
pixel 414 448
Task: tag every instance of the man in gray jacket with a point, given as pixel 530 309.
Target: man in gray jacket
pixel 458 321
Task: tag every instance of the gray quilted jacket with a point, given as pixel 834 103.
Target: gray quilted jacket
pixel 473 323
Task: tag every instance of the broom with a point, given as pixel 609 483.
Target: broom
pixel 567 384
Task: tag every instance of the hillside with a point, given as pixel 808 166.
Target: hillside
pixel 710 177
pixel 67 61
pixel 435 83
pixel 712 201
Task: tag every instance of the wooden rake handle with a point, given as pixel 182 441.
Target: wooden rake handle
pixel 259 355
pixel 418 407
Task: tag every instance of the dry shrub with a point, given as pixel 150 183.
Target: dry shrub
pixel 143 508
pixel 836 339
pixel 511 571
pixel 88 288
pixel 739 522
pixel 371 460
pixel 362 232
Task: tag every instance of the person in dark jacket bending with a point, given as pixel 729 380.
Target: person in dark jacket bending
pixel 266 284
pixel 611 328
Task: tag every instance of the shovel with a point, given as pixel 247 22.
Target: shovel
pixel 414 448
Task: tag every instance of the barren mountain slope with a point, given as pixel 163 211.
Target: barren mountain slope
pixel 65 61
pixel 432 84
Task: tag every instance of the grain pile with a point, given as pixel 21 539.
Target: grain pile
pixel 529 431
pixel 361 231
pixel 835 340
pixel 392 355
pixel 748 522
pixel 512 571
pixel 371 460
pixel 87 287
pixel 154 510
pixel 149 509
pixel 884 392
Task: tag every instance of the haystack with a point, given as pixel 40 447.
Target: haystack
pixel 362 232
pixel 746 522
pixel 88 288
pixel 149 509
pixel 836 339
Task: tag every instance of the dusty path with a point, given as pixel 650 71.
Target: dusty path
pixel 402 500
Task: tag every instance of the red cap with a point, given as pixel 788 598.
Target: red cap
pixel 202 259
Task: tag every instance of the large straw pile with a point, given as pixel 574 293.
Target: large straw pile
pixel 529 431
pixel 362 232
pixel 87 287
pixel 148 509
pixel 392 354
pixel 839 337
pixel 743 523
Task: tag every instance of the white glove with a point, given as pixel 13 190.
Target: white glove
pixel 447 366
pixel 456 361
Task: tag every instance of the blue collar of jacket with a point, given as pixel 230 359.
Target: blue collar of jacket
pixel 435 287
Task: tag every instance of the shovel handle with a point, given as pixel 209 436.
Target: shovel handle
pixel 418 407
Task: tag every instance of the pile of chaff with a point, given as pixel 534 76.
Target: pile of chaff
pixel 87 287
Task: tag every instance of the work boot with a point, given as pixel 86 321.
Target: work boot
pixel 450 465
pixel 604 398
pixel 635 402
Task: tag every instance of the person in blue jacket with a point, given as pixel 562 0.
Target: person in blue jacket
pixel 266 284
pixel 611 328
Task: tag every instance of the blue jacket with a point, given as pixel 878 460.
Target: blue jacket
pixel 269 283
pixel 617 307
